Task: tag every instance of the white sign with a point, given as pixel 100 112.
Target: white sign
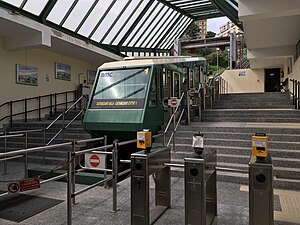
pixel 95 160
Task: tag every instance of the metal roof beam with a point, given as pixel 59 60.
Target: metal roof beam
pixel 175 8
pixel 135 23
pixel 199 9
pixel 46 10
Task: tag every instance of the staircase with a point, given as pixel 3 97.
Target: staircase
pixel 228 128
pixel 35 139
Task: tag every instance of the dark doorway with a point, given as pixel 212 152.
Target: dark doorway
pixel 272 80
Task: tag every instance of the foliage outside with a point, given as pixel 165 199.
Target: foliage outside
pixel 211 55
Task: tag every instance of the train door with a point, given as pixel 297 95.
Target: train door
pixel 171 88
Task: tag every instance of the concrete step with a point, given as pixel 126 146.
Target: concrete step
pixel 249 105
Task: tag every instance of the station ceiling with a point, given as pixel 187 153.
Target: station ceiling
pixel 124 26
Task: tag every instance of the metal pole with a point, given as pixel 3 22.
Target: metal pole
pixel 115 174
pixel 73 171
pixel 69 190
pixel 44 136
pixel 26 156
pixel 25 109
pixel 39 108
pixel 188 110
pixel 63 125
pixel 105 173
pixel 66 100
pixel 11 113
pixel 55 103
pixel 5 149
pixel 174 125
pixel 295 95
pixel 51 105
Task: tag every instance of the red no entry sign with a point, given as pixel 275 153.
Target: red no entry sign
pixel 94 160
pixel 174 101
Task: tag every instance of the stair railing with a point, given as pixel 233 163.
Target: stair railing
pixel 62 115
pixel 25 102
pixel 296 93
pixel 175 125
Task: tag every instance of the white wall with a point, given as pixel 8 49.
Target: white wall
pixel 44 60
pixel 252 81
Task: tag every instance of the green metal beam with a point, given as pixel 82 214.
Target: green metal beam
pixel 175 8
pixel 86 16
pixel 116 20
pixel 68 13
pixel 126 22
pixel 201 8
pixel 228 10
pixel 211 16
pixel 135 23
pixel 46 10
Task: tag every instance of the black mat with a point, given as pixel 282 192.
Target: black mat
pixel 2 192
pixel 19 207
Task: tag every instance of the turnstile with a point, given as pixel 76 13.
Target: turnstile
pixel 143 165
pixel 200 189
pixel 261 200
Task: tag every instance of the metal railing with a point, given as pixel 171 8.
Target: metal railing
pixel 223 86
pixel 63 115
pixel 296 93
pixel 175 125
pixel 53 100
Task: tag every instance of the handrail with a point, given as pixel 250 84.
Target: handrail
pixel 296 93
pixel 175 111
pixel 39 108
pixel 24 131
pixel 173 133
pixel 63 116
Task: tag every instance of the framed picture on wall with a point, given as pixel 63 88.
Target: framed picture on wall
pixel 26 75
pixel 91 76
pixel 62 71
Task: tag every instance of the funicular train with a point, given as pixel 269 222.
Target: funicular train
pixel 127 96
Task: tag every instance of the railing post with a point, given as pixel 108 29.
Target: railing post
pixel 75 98
pixel 26 156
pixel 296 91
pixel 298 94
pixel 51 105
pixel 69 189
pixel 44 137
pixel 105 173
pixel 66 100
pixel 63 124
pixel 115 174
pixel 11 114
pixel 55 103
pixel 39 108
pixel 5 150
pixel 188 112
pixel 73 172
pixel 293 91
pixel 25 109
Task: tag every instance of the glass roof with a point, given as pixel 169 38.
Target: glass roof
pixel 146 26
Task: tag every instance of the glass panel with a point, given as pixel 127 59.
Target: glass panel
pixel 166 23
pixel 117 85
pixel 59 10
pixel 129 54
pixel 125 16
pixel 121 33
pixel 16 3
pixel 35 6
pixel 179 23
pixel 77 14
pixel 145 17
pixel 109 19
pixel 135 54
pixel 155 28
pixel 147 28
pixel 170 24
pixel 94 17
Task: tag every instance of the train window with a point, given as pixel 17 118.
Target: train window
pixel 121 87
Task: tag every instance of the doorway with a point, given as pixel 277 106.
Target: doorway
pixel 272 80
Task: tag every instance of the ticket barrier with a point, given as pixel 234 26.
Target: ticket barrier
pixel 261 201
pixel 144 164
pixel 200 189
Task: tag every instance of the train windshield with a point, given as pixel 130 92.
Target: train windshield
pixel 121 88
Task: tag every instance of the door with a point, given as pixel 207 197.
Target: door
pixel 272 80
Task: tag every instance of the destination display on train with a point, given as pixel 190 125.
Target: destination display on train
pixel 118 103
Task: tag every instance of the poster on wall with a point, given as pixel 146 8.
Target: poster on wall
pixel 62 71
pixel 26 75
pixel 91 76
